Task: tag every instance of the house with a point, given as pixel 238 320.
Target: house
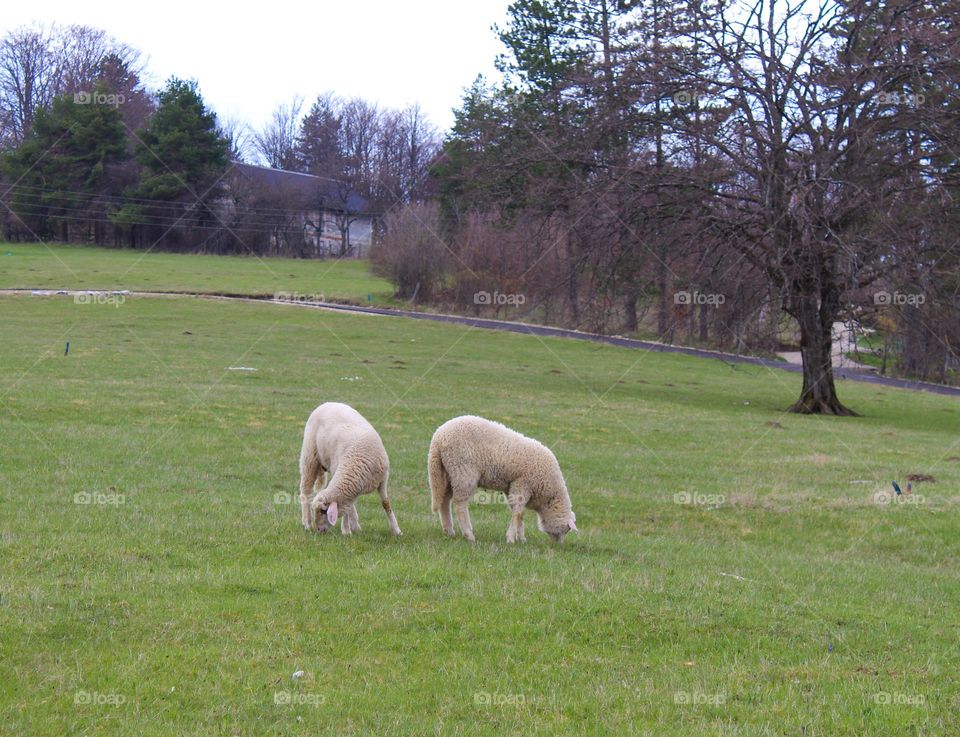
pixel 305 215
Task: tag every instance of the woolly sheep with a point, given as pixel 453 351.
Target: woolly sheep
pixel 339 440
pixel 467 452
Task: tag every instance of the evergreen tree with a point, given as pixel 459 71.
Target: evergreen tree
pixel 183 159
pixel 64 171
pixel 318 145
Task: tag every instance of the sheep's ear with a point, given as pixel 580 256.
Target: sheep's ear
pixel 572 523
pixel 332 513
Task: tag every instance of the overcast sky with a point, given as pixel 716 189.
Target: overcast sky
pixel 247 58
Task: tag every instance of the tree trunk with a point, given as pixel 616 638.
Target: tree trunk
pixel 572 296
pixel 665 307
pixel 819 395
pixel 630 323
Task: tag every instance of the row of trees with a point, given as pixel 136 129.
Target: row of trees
pixel 707 168
pixel 81 173
pixel 384 154
pixel 40 63
pixel 89 154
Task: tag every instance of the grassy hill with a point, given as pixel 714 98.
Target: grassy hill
pixel 40 266
pixel 739 571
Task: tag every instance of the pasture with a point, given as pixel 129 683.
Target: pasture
pixel 739 571
pixel 33 266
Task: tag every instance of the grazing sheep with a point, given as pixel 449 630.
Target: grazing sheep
pixel 339 440
pixel 467 452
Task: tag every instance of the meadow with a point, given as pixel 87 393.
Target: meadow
pixel 738 571
pixel 51 266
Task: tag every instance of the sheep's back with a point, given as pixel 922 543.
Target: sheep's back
pixel 491 450
pixel 340 432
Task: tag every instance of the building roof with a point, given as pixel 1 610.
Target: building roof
pixel 306 190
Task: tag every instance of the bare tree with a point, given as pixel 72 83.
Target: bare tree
pixel 359 128
pixel 241 138
pixel 276 142
pixel 28 78
pixel 82 52
pixel 39 62
pixel 816 164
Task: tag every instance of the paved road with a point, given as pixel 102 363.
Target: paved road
pixel 544 331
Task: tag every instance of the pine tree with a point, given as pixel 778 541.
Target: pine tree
pixel 318 145
pixel 183 159
pixel 63 171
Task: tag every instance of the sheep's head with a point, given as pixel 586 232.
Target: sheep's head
pixel 557 526
pixel 325 516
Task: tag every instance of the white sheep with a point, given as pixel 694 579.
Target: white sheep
pixel 339 440
pixel 467 452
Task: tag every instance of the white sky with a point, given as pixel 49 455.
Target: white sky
pixel 249 57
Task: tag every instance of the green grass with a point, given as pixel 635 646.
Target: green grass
pixel 40 266
pixel 867 359
pixel 783 601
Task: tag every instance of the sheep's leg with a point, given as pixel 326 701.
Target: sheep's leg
pixel 515 530
pixel 387 508
pixel 354 517
pixel 310 472
pixel 348 513
pixel 445 518
pixel 463 517
pixel 440 489
pixel 517 499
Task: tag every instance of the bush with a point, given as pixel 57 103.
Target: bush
pixel 412 253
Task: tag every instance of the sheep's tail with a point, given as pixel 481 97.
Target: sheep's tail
pixel 309 465
pixel 439 482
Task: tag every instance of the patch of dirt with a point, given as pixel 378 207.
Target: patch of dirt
pixel 772 423
pixel 921 477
